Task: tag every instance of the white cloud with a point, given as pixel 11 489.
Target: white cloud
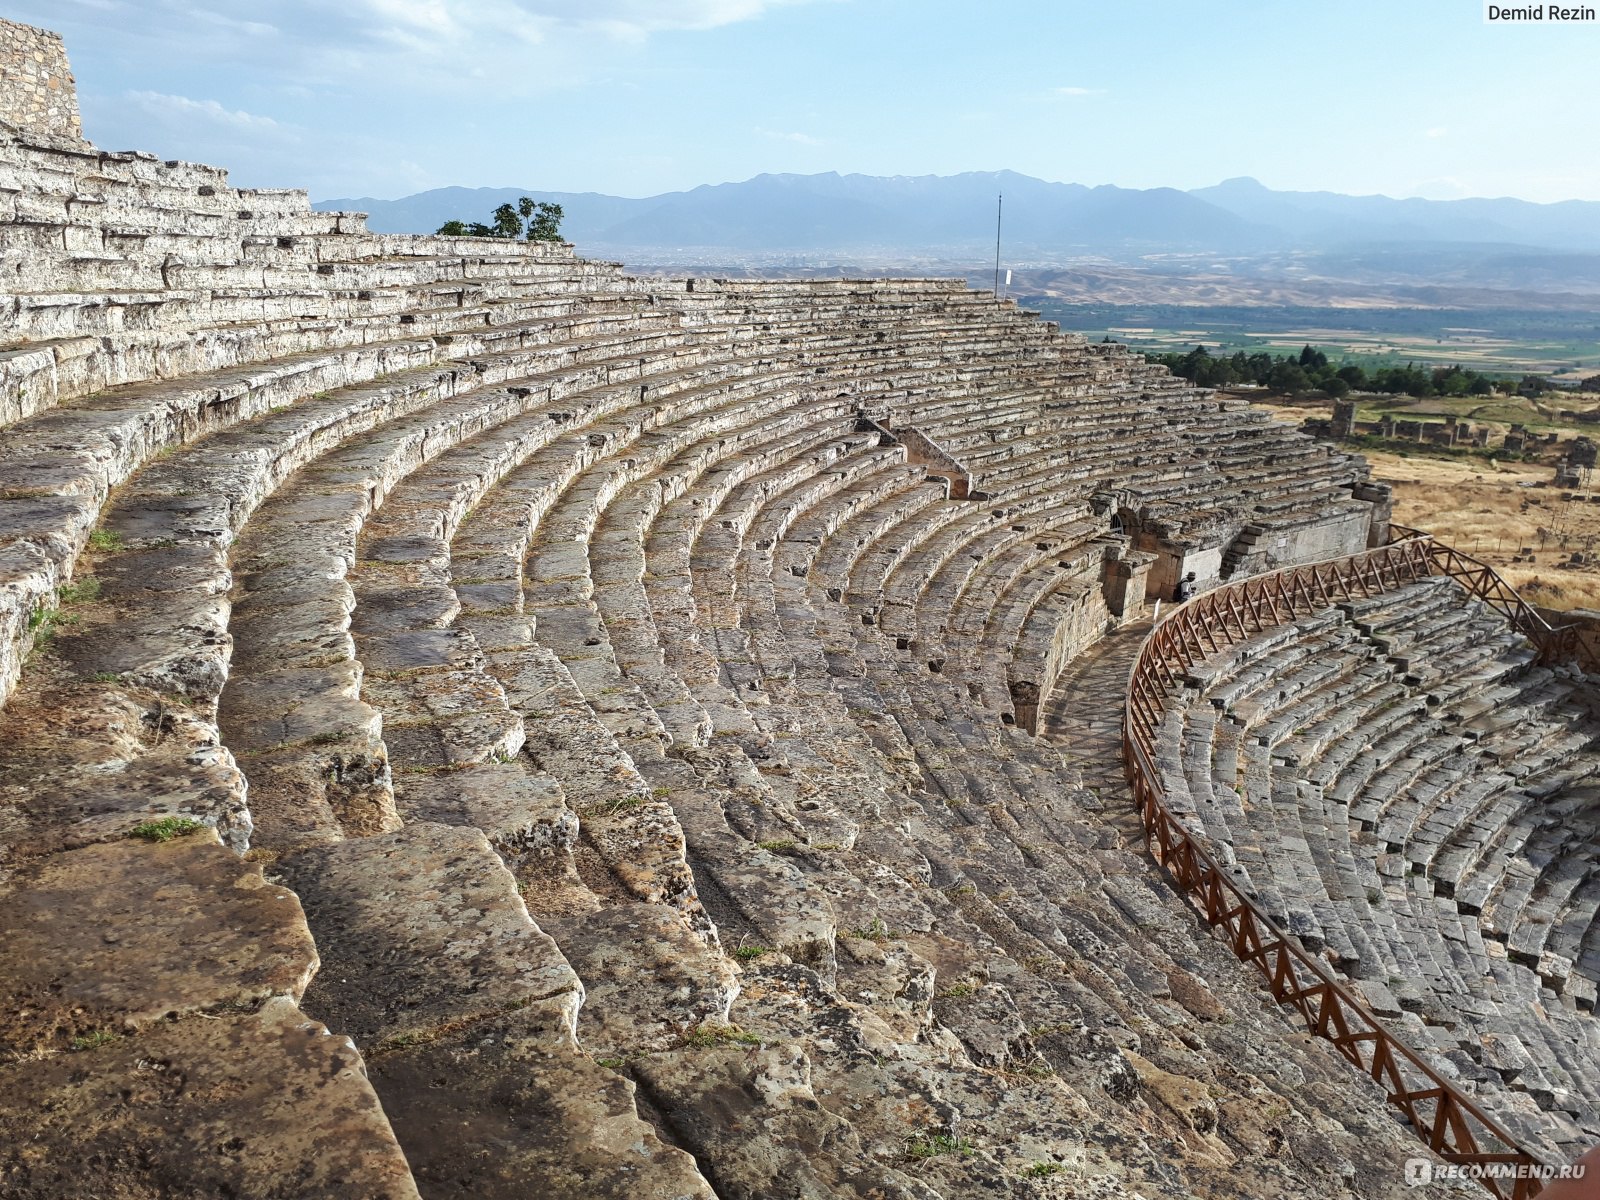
pixel 182 109
pixel 1077 91
pixel 803 139
pixel 1438 131
pixel 637 18
pixel 437 45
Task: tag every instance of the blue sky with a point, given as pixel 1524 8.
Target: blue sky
pixel 387 97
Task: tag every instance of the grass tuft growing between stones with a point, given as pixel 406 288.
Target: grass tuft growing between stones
pixel 45 623
pixel 932 1145
pixel 80 592
pixel 711 1034
pixel 105 541
pixel 95 1039
pixel 611 808
pixel 873 931
pixel 165 829
pixel 751 953
pixel 1043 1170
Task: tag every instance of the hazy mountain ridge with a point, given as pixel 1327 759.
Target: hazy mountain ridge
pixel 955 214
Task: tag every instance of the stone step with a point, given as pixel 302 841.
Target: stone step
pixel 469 1012
pixel 265 1103
pixel 1451 858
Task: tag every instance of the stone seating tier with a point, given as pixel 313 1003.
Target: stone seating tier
pixel 1403 790
pixel 535 633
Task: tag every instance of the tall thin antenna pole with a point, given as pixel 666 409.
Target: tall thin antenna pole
pixel 999 203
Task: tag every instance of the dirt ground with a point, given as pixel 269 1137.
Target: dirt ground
pixel 1508 516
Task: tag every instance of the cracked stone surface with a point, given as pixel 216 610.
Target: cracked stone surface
pixel 266 1104
pixel 121 935
pixel 420 929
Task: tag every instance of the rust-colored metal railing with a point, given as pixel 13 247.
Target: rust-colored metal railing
pixel 1556 643
pixel 1451 1124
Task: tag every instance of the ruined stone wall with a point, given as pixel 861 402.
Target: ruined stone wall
pixel 37 94
pixel 923 451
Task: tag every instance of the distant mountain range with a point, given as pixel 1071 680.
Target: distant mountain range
pixel 936 215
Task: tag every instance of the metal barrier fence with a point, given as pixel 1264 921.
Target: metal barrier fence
pixel 1452 1125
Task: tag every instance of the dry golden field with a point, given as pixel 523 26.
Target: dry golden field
pixel 1505 514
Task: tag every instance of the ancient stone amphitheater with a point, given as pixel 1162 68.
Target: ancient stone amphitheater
pixel 480 724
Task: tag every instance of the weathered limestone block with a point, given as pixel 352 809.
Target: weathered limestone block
pixel 83 763
pixel 986 1020
pixel 771 1138
pixel 494 1111
pixel 265 1104
pixel 518 810
pixel 300 704
pixel 445 718
pixel 422 929
pixel 311 746
pixel 648 980
pixel 642 843
pixel 38 539
pixel 118 936
pixel 185 658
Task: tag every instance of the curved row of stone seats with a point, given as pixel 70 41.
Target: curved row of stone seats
pixel 176 331
pixel 432 429
pixel 609 544
pixel 52 497
pixel 28 270
pixel 534 602
pixel 34 172
pixel 1050 455
pixel 82 344
pixel 559 716
pixel 245 509
pixel 791 661
pixel 147 423
pixel 570 422
pixel 475 1023
pixel 1349 769
pixel 160 727
pixel 1270 450
pixel 792 572
pixel 955 554
pixel 1535 1122
pixel 162 620
pixel 1241 474
pixel 608 559
pixel 1059 624
pixel 929 726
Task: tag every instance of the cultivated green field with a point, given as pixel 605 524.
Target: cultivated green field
pixel 1510 342
pixel 1477 349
